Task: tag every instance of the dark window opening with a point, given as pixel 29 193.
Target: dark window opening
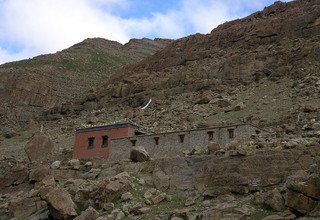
pixel 133 142
pixel 90 142
pixel 231 133
pixel 156 139
pixel 210 135
pixel 181 137
pixel 138 133
pixel 105 141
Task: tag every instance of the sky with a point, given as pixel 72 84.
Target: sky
pixel 32 27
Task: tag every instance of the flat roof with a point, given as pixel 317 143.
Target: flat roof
pixel 196 129
pixel 108 126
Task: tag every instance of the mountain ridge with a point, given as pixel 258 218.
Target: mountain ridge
pixel 30 86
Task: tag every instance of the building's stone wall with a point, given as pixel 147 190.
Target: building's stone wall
pixel 170 144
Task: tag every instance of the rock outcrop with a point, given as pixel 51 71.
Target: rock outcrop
pixel 303 191
pixel 60 204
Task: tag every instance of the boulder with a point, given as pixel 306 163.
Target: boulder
pixel 149 193
pixel 13 174
pixel 290 144
pixel 299 202
pixel 280 217
pixel 139 154
pixel 74 164
pixel 21 207
pixel 88 164
pixel 112 190
pixel 131 208
pixel 108 207
pixel 60 204
pixel 92 174
pixel 39 148
pixel 213 147
pixel 161 179
pixel 310 108
pixel 304 183
pixel 159 198
pixel 303 191
pixel 274 200
pixel 203 99
pixel 190 201
pixel 239 106
pixel 55 165
pixel 45 185
pixel 39 173
pixel 197 151
pixel 89 214
pixel 126 196
pixel 222 103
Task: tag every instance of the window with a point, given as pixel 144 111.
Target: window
pixel 91 142
pixel 231 133
pixel 210 135
pixel 181 137
pixel 105 141
pixel 133 142
pixel 156 140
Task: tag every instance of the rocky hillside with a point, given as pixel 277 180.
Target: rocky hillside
pixel 32 85
pixel 268 177
pixel 244 70
pixel 282 40
pixel 262 69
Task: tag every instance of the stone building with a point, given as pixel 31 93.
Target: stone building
pixel 171 144
pixel 116 140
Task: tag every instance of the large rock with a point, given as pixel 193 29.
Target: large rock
pixel 271 198
pixel 213 148
pixel 304 183
pixel 13 173
pixel 112 190
pixel 39 173
pixel 21 208
pixel 299 202
pixel 310 108
pixel 139 154
pixel 61 205
pixel 39 148
pixel 161 179
pixel 74 164
pixel 89 214
pixel 303 191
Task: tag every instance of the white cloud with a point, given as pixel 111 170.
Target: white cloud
pixel 45 26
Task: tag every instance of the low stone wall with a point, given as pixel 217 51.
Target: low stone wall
pixel 174 143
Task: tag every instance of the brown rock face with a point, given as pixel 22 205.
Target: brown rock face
pixel 39 148
pixel 273 199
pixel 112 190
pixel 60 204
pixel 303 191
pixel 300 202
pixel 12 173
pixel 278 41
pixel 21 208
pixel 39 173
pixel 29 87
